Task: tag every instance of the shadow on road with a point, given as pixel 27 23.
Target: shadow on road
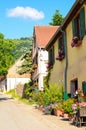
pixel 4 98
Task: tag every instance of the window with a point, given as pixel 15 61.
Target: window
pixel 51 56
pixel 61 44
pixel 61 52
pixel 74 87
pixel 78 24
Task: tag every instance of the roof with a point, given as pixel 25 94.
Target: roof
pixel 43 34
pixel 70 15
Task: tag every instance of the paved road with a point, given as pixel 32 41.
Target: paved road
pixel 15 115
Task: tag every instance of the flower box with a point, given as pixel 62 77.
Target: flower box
pixel 60 55
pixel 76 42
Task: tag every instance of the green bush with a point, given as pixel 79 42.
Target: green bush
pixel 67 105
pixel 28 89
pixel 50 95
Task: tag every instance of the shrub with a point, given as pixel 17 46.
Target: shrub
pixel 52 94
pixel 67 105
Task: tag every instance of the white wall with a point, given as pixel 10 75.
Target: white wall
pixel 42 70
pixel 12 82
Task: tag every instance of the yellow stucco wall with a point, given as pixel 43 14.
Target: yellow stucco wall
pixel 76 58
pixel 57 71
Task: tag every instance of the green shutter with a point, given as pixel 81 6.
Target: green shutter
pixel 49 56
pixel 53 59
pixel 73 27
pixel 58 44
pixel 64 41
pixel 84 87
pixel 82 23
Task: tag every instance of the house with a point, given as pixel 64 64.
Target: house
pixel 69 43
pixel 13 78
pixel 41 36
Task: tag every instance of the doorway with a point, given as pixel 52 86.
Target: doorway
pixel 73 86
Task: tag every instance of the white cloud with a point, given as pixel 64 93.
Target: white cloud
pixel 25 12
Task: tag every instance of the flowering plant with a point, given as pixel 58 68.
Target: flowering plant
pixel 48 65
pixel 76 106
pixel 48 109
pixel 60 55
pixel 78 92
pixel 74 41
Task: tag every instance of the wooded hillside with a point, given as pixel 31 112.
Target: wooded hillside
pixel 11 50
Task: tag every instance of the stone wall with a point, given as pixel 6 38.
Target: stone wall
pixel 20 90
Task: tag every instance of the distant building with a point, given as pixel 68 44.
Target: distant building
pixel 41 36
pixel 13 78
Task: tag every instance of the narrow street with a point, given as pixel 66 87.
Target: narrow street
pixel 15 115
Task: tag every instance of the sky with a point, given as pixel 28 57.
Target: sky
pixel 18 17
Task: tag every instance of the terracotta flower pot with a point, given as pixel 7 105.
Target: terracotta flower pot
pixel 65 115
pixel 58 112
pixel 40 108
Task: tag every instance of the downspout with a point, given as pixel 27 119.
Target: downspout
pixel 66 63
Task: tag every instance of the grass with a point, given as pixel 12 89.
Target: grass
pixel 24 100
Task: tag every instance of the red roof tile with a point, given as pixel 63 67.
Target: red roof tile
pixel 44 34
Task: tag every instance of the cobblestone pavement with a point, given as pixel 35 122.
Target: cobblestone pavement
pixel 15 115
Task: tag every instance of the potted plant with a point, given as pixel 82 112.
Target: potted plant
pixel 60 55
pixel 58 109
pixel 48 109
pixel 67 106
pixel 75 41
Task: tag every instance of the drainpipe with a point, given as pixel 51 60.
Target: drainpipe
pixel 66 64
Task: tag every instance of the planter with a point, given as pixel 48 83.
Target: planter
pixel 58 112
pixel 78 43
pixel 65 115
pixel 40 108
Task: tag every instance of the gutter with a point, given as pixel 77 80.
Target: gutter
pixel 66 64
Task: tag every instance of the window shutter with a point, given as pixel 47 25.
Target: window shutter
pixel 82 23
pixel 58 44
pixel 73 27
pixel 64 41
pixel 84 87
pixel 49 56
pixel 53 59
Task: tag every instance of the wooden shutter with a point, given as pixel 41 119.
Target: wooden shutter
pixel 84 87
pixel 73 27
pixel 53 58
pixel 82 23
pixel 49 56
pixel 64 42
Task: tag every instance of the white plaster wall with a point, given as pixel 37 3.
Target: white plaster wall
pixel 12 82
pixel 42 70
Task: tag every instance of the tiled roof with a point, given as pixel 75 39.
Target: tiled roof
pixel 43 34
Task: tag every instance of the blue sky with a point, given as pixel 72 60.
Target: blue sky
pixel 18 17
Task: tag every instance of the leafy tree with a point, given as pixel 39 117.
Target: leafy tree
pixel 57 19
pixel 27 63
pixel 11 50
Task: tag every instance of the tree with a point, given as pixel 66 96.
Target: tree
pixel 57 19
pixel 27 63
